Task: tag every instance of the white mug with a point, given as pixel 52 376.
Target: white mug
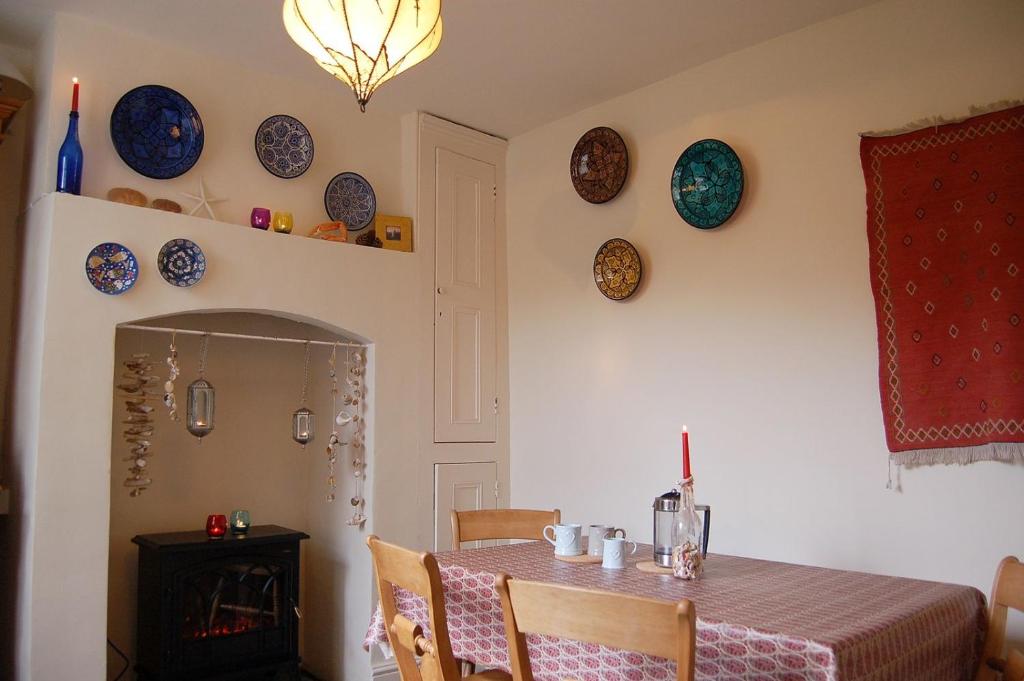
pixel 615 553
pixel 597 534
pixel 566 538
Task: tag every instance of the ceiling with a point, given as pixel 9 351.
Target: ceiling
pixel 504 66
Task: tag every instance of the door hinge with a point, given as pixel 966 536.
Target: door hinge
pixel 497 488
pixel 495 191
pixel 495 405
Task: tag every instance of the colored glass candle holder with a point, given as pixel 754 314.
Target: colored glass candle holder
pixel 283 222
pixel 240 521
pixel 216 526
pixel 260 218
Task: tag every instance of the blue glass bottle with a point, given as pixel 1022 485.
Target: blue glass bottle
pixel 70 160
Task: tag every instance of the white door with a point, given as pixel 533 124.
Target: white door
pixel 465 351
pixel 462 487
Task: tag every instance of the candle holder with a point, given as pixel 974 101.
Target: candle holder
pixel 240 522
pixel 260 218
pixel 216 526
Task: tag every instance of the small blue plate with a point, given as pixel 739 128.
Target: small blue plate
pixel 284 146
pixel 707 183
pixel 350 199
pixel 181 262
pixel 111 268
pixel 156 131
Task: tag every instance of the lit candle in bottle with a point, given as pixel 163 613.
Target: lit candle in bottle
pixel 74 94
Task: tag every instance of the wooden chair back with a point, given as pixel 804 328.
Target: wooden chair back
pixel 1007 592
pixel 616 620
pixel 1014 667
pixel 417 573
pixel 505 523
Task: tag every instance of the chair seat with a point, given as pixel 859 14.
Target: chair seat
pixel 489 675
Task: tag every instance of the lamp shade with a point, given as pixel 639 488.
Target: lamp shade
pixel 365 43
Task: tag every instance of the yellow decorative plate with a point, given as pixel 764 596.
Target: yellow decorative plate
pixel 617 269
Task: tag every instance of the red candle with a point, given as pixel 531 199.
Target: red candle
pixel 216 526
pixel 686 454
pixel 74 95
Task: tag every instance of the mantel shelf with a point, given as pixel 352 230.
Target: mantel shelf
pixel 207 223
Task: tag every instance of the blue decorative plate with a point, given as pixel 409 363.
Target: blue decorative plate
pixel 350 198
pixel 111 268
pixel 284 146
pixel 707 183
pixel 181 262
pixel 156 131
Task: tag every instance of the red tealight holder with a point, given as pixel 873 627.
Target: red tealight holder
pixel 216 526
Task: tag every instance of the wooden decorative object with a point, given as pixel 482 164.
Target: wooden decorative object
pixel 126 195
pixel 653 568
pixel 1007 592
pixel 369 238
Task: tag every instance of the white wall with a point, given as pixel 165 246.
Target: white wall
pixel 760 336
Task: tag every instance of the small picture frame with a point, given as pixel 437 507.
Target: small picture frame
pixel 394 232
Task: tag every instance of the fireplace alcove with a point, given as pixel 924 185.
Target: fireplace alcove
pixel 248 461
pixel 63 491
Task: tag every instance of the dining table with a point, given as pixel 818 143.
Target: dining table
pixel 756 619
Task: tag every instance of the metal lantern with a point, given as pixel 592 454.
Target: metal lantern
pixel 665 508
pixel 303 425
pixel 199 411
pixel 303 419
pixel 199 407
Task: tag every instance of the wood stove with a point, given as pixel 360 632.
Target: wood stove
pixel 223 610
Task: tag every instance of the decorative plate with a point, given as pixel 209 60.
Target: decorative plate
pixel 599 165
pixel 284 146
pixel 181 262
pixel 350 198
pixel 111 268
pixel 617 269
pixel 707 183
pixel 156 131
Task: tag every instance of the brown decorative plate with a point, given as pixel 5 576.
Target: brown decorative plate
pixel 617 269
pixel 599 165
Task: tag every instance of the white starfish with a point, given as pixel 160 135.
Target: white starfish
pixel 204 201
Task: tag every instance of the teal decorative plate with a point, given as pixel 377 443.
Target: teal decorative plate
pixel 707 183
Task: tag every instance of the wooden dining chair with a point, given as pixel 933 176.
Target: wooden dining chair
pixel 1007 592
pixel 644 625
pixel 1014 667
pixel 419 658
pixel 504 523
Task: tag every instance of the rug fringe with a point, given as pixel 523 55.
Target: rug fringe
pixel 1009 452
pixel 936 121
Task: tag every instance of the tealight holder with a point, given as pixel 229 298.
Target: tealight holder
pixel 216 526
pixel 240 521
pixel 260 218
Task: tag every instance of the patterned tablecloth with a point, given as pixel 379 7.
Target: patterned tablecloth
pixel 755 620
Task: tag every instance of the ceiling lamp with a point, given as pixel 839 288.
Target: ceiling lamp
pixel 365 43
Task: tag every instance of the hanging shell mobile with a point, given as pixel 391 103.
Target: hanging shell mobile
pixel 137 386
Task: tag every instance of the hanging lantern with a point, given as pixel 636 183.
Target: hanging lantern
pixel 364 43
pixel 199 420
pixel 200 397
pixel 303 426
pixel 303 419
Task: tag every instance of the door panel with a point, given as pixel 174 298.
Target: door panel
pixel 462 487
pixel 465 349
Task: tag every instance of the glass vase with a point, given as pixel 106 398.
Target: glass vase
pixel 687 561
